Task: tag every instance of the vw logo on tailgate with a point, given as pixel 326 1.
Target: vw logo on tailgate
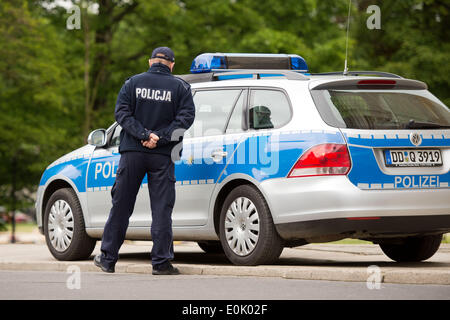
pixel 415 138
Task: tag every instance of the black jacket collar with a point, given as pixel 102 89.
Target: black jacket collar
pixel 160 68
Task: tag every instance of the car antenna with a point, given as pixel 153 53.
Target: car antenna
pixel 346 38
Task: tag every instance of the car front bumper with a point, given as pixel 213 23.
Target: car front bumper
pixel 38 206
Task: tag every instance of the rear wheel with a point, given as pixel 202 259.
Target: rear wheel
pixel 247 231
pixel 413 249
pixel 211 246
pixel 64 227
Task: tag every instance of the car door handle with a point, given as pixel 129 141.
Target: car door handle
pixel 218 154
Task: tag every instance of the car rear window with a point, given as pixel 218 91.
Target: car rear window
pixel 376 109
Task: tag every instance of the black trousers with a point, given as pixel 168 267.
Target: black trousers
pixel 161 186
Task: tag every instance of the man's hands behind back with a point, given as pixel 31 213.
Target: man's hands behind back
pixel 151 142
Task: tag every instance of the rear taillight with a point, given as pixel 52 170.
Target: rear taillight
pixel 323 159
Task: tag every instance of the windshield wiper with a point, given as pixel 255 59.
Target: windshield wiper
pixel 413 124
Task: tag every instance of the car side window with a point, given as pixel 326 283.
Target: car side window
pixel 268 109
pixel 212 109
pixel 236 123
pixel 115 139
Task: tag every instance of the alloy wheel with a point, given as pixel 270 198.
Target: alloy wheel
pixel 242 226
pixel 60 225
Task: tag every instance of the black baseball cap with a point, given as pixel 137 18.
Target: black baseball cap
pixel 164 53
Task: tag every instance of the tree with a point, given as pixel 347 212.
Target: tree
pixel 58 84
pixel 35 122
pixel 413 41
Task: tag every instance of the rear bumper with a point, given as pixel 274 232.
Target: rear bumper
pixel 373 228
pixel 299 204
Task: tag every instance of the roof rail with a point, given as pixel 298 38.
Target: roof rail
pixel 289 74
pixel 256 74
pixel 196 77
pixel 360 73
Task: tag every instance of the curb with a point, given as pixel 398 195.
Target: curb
pixel 352 274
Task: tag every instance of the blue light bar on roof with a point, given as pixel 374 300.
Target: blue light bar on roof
pixel 208 62
pixel 298 63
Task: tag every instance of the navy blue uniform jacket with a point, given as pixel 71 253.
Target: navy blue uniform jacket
pixel 154 101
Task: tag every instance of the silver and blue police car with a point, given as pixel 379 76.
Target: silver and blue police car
pixel 277 157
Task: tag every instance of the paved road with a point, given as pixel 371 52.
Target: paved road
pixel 92 285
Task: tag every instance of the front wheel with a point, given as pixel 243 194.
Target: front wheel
pixel 247 231
pixel 413 249
pixel 64 227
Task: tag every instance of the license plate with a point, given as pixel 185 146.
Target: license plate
pixel 413 157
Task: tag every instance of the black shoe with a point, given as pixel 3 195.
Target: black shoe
pixel 98 263
pixel 165 269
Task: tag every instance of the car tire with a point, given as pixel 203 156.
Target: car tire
pixel 413 249
pixel 66 235
pixel 247 231
pixel 211 246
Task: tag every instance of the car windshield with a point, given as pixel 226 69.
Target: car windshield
pixel 376 109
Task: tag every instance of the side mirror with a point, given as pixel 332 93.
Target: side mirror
pixel 97 138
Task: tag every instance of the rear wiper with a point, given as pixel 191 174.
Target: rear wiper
pixel 413 124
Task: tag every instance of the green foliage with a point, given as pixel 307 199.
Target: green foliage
pixel 42 64
pixel 35 104
pixel 3 225
pixel 413 41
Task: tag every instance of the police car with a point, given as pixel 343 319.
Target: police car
pixel 277 157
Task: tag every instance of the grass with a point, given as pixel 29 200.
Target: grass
pixel 350 241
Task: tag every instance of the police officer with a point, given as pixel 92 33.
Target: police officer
pixel 152 108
